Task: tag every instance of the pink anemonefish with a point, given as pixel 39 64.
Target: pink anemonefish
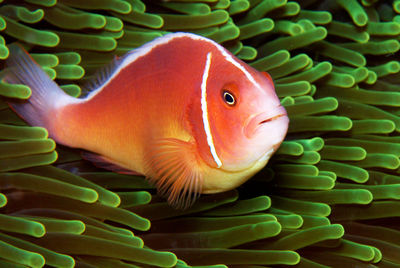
pixel 181 110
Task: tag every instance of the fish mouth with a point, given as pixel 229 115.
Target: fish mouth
pixel 257 121
pixel 271 118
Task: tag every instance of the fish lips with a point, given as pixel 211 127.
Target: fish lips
pixel 257 122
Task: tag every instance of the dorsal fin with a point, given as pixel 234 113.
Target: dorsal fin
pixel 175 170
pixel 103 74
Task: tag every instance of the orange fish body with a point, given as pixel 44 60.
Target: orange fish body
pixel 181 110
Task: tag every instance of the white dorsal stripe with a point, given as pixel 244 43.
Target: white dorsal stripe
pixel 132 56
pixel 240 67
pixel 204 109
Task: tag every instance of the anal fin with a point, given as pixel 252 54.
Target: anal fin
pixel 176 172
pixel 106 163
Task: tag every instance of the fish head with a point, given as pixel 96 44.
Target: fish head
pixel 246 121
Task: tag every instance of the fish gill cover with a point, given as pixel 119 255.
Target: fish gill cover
pixel 329 196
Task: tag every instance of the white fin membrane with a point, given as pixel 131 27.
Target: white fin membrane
pixel 102 76
pixel 46 94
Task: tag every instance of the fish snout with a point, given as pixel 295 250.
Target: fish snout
pixel 259 120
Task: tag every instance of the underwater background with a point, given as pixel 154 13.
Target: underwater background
pixel 328 197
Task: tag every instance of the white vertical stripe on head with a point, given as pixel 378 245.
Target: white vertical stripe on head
pixel 206 123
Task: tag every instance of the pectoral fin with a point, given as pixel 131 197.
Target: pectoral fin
pixel 175 171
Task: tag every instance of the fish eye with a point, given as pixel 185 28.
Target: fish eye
pixel 229 98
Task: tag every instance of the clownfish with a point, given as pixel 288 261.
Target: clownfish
pixel 180 110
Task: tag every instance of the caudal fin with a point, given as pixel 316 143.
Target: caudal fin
pixel 46 96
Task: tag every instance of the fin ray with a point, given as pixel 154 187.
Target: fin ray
pixel 102 75
pixel 46 94
pixel 175 173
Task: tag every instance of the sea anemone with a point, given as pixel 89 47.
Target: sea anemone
pixel 328 197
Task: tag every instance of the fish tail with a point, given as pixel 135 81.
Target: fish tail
pixel 47 97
